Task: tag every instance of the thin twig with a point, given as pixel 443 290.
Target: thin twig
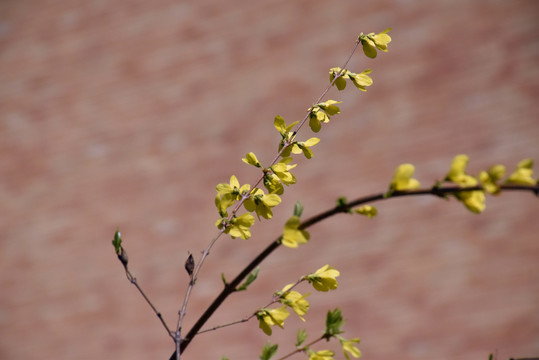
pixel 274 299
pixel 205 253
pixel 134 281
pixel 226 325
pixel 343 69
pixel 303 348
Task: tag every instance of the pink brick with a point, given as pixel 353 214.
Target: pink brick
pixel 127 114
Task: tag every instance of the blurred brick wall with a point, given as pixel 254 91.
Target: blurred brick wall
pixel 129 113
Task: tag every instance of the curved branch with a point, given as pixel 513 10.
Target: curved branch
pixel 230 287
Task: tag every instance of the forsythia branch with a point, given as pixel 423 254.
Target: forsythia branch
pixel 340 208
pixel 198 266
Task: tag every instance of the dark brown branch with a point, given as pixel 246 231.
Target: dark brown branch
pixel 437 191
pixel 230 287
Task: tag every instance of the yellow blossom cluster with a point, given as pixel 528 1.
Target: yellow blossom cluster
pixel 361 80
pixel 402 180
pixel 292 235
pixel 371 42
pixel 321 113
pixel 323 279
pixel 473 200
pixel 523 175
pixel 487 181
pixel 270 317
pixel 294 300
pixel 491 177
pixel 278 174
pixel 254 200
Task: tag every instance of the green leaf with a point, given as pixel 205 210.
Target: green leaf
pixel 117 241
pixel 369 50
pixel 223 278
pixel 286 152
pixel 334 321
pixel 250 278
pixel 279 124
pixel 332 109
pixel 341 202
pixel 340 83
pixel 268 351
pixel 314 123
pixel 306 151
pixel 298 209
pixel 302 336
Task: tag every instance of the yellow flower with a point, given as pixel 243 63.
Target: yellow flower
pixel 340 82
pixel 382 39
pixel 271 317
pixel 456 173
pixel 286 135
pixel 282 170
pixel 227 194
pixel 321 113
pixel 523 174
pixel 321 355
pixel 490 178
pixel 292 236
pixel 273 184
pixel 361 80
pixel 223 203
pixel 281 126
pixel 304 146
pixel 349 348
pixel 371 42
pixel 473 200
pixel 294 300
pixel 233 189
pixel 324 279
pixel 261 203
pixel 238 226
pixel 251 159
pixel 287 138
pixel 367 210
pixel 402 180
pixel 496 172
